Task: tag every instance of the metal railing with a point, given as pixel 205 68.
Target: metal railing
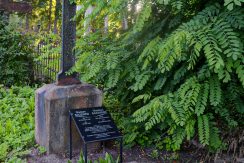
pixel 46 63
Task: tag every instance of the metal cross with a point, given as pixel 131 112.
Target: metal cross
pixel 68 44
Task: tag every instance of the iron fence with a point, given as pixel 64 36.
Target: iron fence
pixel 47 63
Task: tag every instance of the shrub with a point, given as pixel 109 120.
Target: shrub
pixel 17 122
pixel 15 56
pixel 178 69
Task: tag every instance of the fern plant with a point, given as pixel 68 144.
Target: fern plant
pixel 175 69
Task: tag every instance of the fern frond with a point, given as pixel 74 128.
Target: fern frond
pixel 214 140
pixel 154 112
pixel 190 99
pixel 143 113
pixel 215 91
pixel 190 128
pixel 225 114
pixel 171 50
pixel 211 49
pixel 178 114
pixel 207 15
pixel 94 68
pixel 179 74
pixel 160 83
pixel 228 38
pixel 112 61
pixel 143 17
pixel 235 18
pixel 202 99
pixel 240 71
pixel 178 138
pixel 141 81
pixel 203 129
pixel 149 52
pixel 133 69
pixel 231 3
pixel 144 97
pixel 113 78
pixel 158 115
pixel 195 54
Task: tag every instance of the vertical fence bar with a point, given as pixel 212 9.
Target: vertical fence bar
pixel 70 136
pixel 121 150
pixel 47 65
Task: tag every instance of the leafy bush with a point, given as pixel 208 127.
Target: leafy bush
pixel 17 122
pixel 178 69
pixel 15 56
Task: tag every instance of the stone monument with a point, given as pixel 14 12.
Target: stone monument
pixel 53 101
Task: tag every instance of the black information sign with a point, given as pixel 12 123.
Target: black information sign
pixel 94 124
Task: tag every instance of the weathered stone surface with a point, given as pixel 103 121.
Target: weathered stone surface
pixel 52 118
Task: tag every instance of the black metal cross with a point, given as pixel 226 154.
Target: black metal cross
pixel 68 44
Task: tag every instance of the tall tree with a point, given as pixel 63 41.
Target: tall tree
pixel 50 15
pixel 88 22
pixel 57 16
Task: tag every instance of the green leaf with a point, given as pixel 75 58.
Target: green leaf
pixel 230 6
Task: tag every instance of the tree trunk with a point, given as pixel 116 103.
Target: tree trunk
pixel 124 22
pixel 133 11
pixel 106 24
pixel 27 23
pixel 87 23
pixel 57 14
pixel 50 15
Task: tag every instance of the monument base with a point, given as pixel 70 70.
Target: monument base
pixel 52 105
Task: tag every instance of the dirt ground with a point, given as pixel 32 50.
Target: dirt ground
pixel 133 155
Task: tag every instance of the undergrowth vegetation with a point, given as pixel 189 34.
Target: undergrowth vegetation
pixel 17 122
pixel 107 159
pixel 16 56
pixel 177 71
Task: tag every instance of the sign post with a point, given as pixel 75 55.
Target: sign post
pixel 94 125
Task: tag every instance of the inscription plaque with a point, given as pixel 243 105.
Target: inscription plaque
pixel 94 124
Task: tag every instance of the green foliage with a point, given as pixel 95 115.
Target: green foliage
pixel 42 149
pixel 203 128
pixel 143 17
pixel 49 55
pixel 108 159
pixel 17 122
pixel 15 56
pixel 154 154
pixel 230 3
pixel 180 75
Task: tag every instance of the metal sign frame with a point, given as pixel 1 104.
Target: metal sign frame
pixel 85 143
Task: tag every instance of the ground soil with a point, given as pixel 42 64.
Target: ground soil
pixel 134 155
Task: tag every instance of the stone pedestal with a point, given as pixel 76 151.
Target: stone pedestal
pixel 52 118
